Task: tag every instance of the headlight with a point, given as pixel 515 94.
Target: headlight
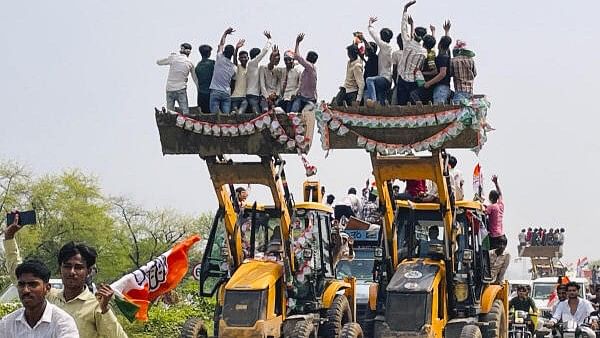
pixel 461 291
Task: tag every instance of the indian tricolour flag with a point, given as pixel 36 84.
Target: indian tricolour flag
pixel 135 291
pixel 478 181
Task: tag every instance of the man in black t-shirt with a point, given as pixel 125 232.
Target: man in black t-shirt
pixel 522 302
pixel 441 82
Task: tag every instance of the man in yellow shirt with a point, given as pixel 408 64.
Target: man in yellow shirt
pixel 92 314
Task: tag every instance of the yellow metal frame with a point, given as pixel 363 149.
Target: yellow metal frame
pixel 389 168
pixel 331 290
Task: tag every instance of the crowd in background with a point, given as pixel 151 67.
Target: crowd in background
pixel 541 237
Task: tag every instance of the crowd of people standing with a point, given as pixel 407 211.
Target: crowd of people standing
pixel 236 81
pixel 377 73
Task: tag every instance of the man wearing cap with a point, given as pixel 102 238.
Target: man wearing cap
pixel 464 72
pixel 180 67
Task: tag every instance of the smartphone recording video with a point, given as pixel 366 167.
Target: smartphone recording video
pixel 25 217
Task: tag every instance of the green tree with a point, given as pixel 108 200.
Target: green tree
pixel 70 207
pixel 150 233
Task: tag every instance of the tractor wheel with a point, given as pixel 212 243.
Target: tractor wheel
pixel 470 331
pixel 193 328
pixel 303 329
pixel 351 330
pixel 497 316
pixel 216 318
pixel 337 315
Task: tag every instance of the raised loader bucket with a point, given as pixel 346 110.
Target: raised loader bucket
pixel 390 130
pixel 266 134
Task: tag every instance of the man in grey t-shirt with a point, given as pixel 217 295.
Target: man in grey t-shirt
pixel 220 86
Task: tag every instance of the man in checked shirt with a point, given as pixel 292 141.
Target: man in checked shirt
pixel 413 55
pixel 464 72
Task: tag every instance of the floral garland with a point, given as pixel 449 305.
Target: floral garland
pixel 299 141
pixel 305 240
pixel 472 115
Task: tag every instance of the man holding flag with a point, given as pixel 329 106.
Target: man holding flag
pixel 92 314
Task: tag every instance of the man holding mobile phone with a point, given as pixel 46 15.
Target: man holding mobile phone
pixel 92 314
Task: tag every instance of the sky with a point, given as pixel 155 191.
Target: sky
pixel 80 80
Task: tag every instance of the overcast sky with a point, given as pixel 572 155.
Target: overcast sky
pixel 79 82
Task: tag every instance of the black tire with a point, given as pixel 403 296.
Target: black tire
pixel 351 330
pixel 216 318
pixel 193 328
pixel 498 316
pixel 470 331
pixel 337 315
pixel 303 329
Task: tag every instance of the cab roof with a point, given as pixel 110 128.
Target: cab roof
pixel 298 205
pixel 465 204
pixel 314 206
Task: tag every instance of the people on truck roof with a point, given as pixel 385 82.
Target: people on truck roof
pixel 379 85
pixel 223 74
pixel 180 67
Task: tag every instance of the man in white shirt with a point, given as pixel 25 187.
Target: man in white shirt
pixel 252 77
pixel 37 318
pixel 290 82
pixel 239 103
pixel 180 67
pixel 456 178
pixel 220 86
pixel 574 308
pixel 270 77
pixel 378 86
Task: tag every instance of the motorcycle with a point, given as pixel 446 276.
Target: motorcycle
pixel 520 325
pixel 570 329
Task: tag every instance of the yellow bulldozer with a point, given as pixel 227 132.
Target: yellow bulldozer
pixel 270 265
pixel 431 276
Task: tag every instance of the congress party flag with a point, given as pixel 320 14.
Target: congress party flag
pixel 135 291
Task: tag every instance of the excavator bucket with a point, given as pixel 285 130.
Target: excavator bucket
pixel 390 130
pixel 267 134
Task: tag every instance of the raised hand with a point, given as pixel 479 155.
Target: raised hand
pixel 300 37
pixel 372 20
pixel 240 44
pixel 229 31
pixel 275 49
pixel 12 229
pixel 267 34
pixel 432 28
pixel 104 294
pixel 408 4
pixel 447 26
pixel 495 179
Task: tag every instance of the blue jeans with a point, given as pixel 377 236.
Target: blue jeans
pixel 377 88
pixel 459 96
pixel 220 101
pixel 257 103
pixel 240 104
pixel 441 93
pixel 299 103
pixel 181 97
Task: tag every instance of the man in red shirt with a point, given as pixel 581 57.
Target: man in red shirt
pixel 495 213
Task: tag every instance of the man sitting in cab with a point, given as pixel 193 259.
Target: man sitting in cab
pixel 425 246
